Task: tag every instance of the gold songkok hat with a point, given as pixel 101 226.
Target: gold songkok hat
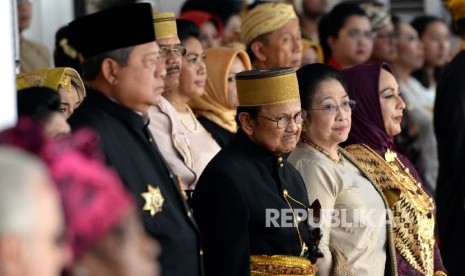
pixel 265 18
pixel 267 86
pixel 52 78
pixel 165 25
pixel 456 8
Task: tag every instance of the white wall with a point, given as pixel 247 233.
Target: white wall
pixel 49 15
pixel 166 5
pixel 7 70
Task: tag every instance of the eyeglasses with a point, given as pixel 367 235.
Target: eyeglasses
pixel 232 78
pixel 357 34
pixel 331 109
pixel 387 35
pixel 284 121
pixel 408 37
pixel 177 50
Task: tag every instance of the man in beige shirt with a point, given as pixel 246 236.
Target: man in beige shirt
pixel 32 55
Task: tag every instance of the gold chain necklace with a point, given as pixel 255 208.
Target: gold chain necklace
pixel 339 154
pixel 186 126
pixel 420 198
pixel 303 245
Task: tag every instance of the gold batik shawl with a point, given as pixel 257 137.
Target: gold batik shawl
pixel 411 207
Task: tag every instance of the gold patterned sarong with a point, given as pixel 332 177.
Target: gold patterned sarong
pixel 411 207
pixel 279 265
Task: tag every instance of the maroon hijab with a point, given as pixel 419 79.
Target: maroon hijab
pixel 367 120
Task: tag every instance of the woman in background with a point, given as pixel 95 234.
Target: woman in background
pixel 418 141
pixel 346 36
pixel 210 25
pixel 216 109
pixel 64 80
pixel 435 35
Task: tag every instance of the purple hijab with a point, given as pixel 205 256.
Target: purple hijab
pixel 367 120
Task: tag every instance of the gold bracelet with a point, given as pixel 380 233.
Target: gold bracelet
pixel 440 273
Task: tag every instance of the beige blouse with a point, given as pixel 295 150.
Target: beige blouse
pixel 358 228
pixel 187 153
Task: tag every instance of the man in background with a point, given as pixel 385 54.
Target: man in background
pixel 32 55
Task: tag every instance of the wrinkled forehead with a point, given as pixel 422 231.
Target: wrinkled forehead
pixel 289 108
pixel 169 41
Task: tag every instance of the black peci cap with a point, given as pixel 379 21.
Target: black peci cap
pixel 113 29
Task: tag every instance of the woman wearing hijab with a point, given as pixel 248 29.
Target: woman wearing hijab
pixel 216 108
pixel 64 80
pixel 375 122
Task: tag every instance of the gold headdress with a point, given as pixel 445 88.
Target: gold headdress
pixel 456 8
pixel 265 18
pixel 165 25
pixel 52 78
pixel 307 43
pixel 267 86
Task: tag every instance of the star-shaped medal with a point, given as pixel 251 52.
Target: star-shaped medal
pixel 153 200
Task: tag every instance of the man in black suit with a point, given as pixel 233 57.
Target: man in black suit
pixel 125 73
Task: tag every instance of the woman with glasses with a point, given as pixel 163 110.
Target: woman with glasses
pixel 217 107
pixel 250 203
pixel 375 123
pixel 182 140
pixel 353 219
pixel 346 36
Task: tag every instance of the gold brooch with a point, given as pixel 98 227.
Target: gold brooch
pixel 390 156
pixel 153 200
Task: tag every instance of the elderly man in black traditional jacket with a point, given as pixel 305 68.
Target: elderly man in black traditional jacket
pixel 125 73
pixel 250 203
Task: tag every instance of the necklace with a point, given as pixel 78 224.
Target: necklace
pixel 297 219
pixel 339 154
pixel 186 126
pixel 419 198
